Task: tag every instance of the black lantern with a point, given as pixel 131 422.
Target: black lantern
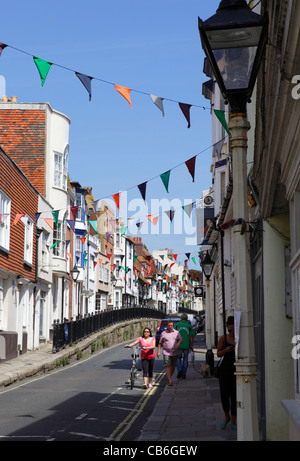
pixel 75 273
pixel 207 265
pixel 234 40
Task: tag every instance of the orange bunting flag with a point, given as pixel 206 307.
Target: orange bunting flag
pixel 152 219
pixel 171 265
pixel 109 255
pixel 125 92
pixel 100 261
pixel 116 198
pixel 18 216
pixel 49 221
pixel 82 239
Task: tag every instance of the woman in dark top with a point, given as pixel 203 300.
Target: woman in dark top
pixel 226 349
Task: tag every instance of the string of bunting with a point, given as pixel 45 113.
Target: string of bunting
pixel 44 66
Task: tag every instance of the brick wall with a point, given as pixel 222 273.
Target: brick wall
pixel 24 199
pixel 23 138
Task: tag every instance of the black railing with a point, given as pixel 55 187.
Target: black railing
pixel 74 330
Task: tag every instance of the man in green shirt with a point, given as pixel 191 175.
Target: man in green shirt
pixel 187 333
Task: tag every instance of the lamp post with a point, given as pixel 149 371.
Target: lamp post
pixel 75 273
pixel 207 265
pixel 234 40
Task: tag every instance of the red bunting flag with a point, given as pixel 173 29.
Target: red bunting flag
pixel 152 219
pixel 186 111
pixel 17 218
pixel 109 255
pixel 191 166
pixel 175 257
pixel 74 212
pixel 116 198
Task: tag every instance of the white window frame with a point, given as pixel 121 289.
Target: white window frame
pixel 5 205
pixel 28 239
pixel 59 235
pixel 60 170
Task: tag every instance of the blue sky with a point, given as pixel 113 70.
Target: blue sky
pixel 152 48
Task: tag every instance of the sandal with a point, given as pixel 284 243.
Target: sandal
pixel 233 426
pixel 224 424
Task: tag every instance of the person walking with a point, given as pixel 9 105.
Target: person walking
pixel 187 333
pixel 147 344
pixel 170 340
pixel 226 349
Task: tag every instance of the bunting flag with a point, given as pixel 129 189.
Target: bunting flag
pixel 171 265
pixel 165 177
pixel 218 148
pixel 188 255
pixel 139 226
pixel 100 262
pixel 49 221
pixel 83 239
pixel 43 68
pixel 123 230
pixel 109 255
pixel 188 209
pixel 55 216
pixel 71 224
pixel 220 114
pixel 193 259
pixel 18 217
pixel 175 257
pixel 86 81
pixel 186 111
pixel 54 244
pixel 74 212
pixel 107 235
pixel 2 46
pixel 125 92
pixel 93 223
pixel 191 166
pixel 171 214
pixel 142 189
pixel 70 256
pixel 37 215
pixel 152 219
pixel 116 198
pixel 95 206
pixel 158 102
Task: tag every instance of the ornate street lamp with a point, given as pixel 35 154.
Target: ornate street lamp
pixel 75 273
pixel 234 40
pixel 207 265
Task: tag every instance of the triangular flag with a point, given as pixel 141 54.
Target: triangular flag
pixel 86 81
pixel 93 223
pixel 193 259
pixel 142 189
pixel 139 226
pixel 37 215
pixel 191 166
pixel 188 255
pixel 100 261
pixel 152 219
pixel 70 256
pixel 116 198
pixel 123 230
pixel 2 46
pixel 55 216
pixel 49 221
pixel 171 265
pixel 71 224
pixel 43 68
pixel 171 214
pixel 158 102
pixel 188 209
pixel 83 239
pixel 175 257
pixel 74 212
pixel 52 246
pixel 95 206
pixel 18 216
pixel 125 92
pixel 165 179
pixel 186 111
pixel 220 114
pixel 109 255
pixel 218 148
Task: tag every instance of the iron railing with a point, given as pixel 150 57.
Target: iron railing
pixel 71 331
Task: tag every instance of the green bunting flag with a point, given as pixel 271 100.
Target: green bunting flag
pixel 93 223
pixel 193 259
pixel 220 114
pixel 55 217
pixel 124 229
pixel 165 179
pixel 43 68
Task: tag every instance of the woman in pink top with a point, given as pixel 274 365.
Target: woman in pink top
pixel 147 344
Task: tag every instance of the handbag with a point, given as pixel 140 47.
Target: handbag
pixel 217 368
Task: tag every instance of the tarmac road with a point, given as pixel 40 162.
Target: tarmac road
pixel 85 401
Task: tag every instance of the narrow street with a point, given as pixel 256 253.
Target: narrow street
pixel 88 400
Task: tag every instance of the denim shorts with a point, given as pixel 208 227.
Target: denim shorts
pixel 170 360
